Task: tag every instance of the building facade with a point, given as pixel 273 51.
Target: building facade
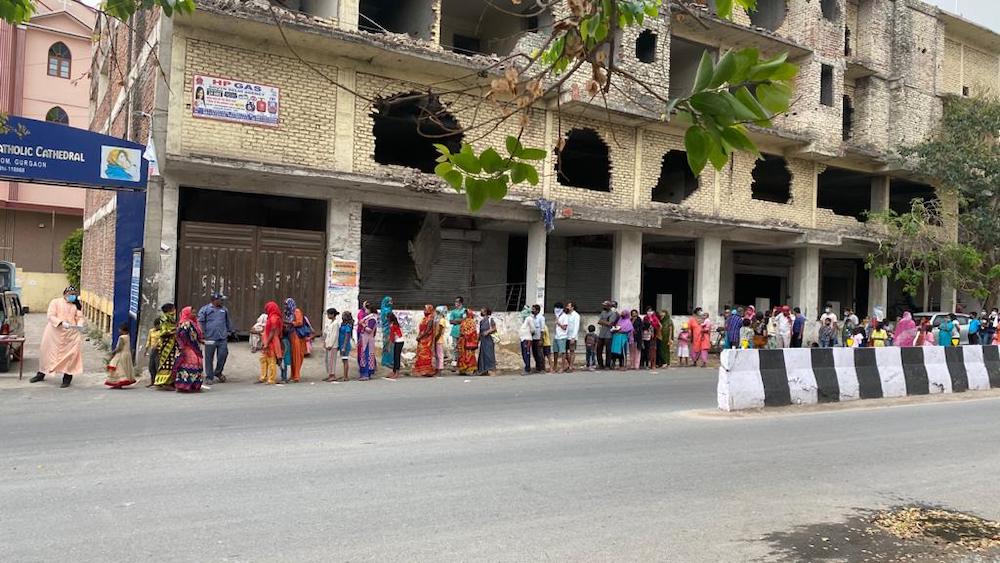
pixel 319 186
pixel 45 75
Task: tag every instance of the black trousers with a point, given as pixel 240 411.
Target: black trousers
pixel 603 352
pixel 536 351
pixel 796 341
pixel 397 355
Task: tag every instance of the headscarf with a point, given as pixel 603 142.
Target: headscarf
pixel 625 324
pixel 188 316
pixel 290 310
pixel 750 312
pixel 525 312
pixel 442 311
pixel 654 320
pixel 906 331
pixel 273 322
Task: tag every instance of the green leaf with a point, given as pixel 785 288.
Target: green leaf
pixel 492 161
pixel 496 188
pixel 706 68
pixel 772 98
pixel 737 138
pixel 713 104
pixel 724 70
pixel 717 154
pixel 724 8
pixel 513 146
pixel 531 174
pixel 517 172
pixel 466 160
pixel 454 178
pixel 786 71
pixel 740 111
pixel 443 149
pixel 746 98
pixel 475 192
pixel 696 141
pixel 532 154
pixel 762 71
pixel 745 58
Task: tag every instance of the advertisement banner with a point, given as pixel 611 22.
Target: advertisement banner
pixel 233 100
pixel 343 274
pixel 52 153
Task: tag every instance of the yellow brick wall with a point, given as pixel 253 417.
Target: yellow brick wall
pixel 621 148
pixel 305 133
pixel 981 71
pixel 952 67
pixel 654 146
pixel 737 201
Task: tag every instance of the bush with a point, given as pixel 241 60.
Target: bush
pixel 72 257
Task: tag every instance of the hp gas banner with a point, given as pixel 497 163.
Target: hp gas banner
pixel 51 153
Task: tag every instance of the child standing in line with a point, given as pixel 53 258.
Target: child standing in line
pixel 345 336
pixel 396 338
pixel 286 359
pixel 547 349
pixel 746 335
pixel 647 338
pixel 590 341
pixel 857 339
pixel 152 342
pixel 121 371
pixel 683 347
pixel 826 334
pixel 330 334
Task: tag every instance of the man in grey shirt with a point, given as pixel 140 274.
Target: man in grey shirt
pixel 215 324
pixel 607 319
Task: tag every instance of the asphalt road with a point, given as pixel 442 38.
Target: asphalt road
pixel 584 467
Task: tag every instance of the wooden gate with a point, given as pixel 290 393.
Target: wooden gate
pixel 251 265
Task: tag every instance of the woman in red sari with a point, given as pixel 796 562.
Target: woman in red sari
pixel 468 343
pixel 188 367
pixel 424 363
pixel 694 325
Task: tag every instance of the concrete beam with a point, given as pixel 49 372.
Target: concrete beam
pixel 626 272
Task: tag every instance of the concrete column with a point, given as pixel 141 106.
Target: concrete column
pixel 343 154
pixel 626 271
pixel 707 274
pixel 169 226
pixel 878 294
pixel 805 281
pixel 880 193
pixel 949 298
pixel 347 15
pixel 534 289
pixel 343 244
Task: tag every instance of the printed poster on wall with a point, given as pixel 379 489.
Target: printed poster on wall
pixel 343 274
pixel 236 101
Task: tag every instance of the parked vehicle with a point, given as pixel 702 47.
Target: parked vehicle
pixel 938 317
pixel 11 322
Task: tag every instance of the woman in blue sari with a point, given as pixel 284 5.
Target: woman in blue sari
pixel 383 318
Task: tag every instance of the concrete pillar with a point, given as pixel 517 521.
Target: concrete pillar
pixel 343 244
pixel 707 274
pixel 878 294
pixel 806 280
pixel 169 226
pixel 626 271
pixel 534 289
pixel 949 298
pixel 347 15
pixel 880 193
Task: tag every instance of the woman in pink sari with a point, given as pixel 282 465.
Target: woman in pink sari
pixel 906 331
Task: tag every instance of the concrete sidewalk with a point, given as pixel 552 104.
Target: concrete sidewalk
pixel 241 367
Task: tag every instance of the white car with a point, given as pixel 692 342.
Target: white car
pixel 938 317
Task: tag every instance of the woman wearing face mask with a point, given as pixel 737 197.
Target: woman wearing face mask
pixel 60 349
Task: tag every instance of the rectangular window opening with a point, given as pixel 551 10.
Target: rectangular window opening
pixel 826 85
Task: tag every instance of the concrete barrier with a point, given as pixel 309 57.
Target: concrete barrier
pixel 751 379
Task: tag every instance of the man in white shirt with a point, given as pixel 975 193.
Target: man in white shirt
pixel 572 322
pixel 536 338
pixel 559 342
pixel 829 314
pixel 784 323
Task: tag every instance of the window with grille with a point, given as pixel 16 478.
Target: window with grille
pixel 60 60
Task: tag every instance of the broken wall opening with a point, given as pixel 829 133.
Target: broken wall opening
pixel 676 182
pixel 772 181
pixel 645 47
pixel 490 27
pixel 847 118
pixel 406 127
pixel 419 258
pixel 830 10
pixel 826 85
pixel 584 161
pixel 415 18
pixel 684 59
pixel 903 192
pixel 845 192
pixel 770 14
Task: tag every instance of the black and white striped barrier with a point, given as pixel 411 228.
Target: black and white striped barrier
pixel 751 379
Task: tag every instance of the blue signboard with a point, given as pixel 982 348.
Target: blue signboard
pixel 52 153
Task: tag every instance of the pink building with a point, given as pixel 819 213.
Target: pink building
pixel 44 74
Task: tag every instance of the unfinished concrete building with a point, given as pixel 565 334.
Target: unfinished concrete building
pixel 323 192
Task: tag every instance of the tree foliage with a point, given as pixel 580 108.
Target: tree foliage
pixel 737 90
pixel 962 158
pixel 72 256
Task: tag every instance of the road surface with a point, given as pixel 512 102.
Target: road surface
pixel 583 467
